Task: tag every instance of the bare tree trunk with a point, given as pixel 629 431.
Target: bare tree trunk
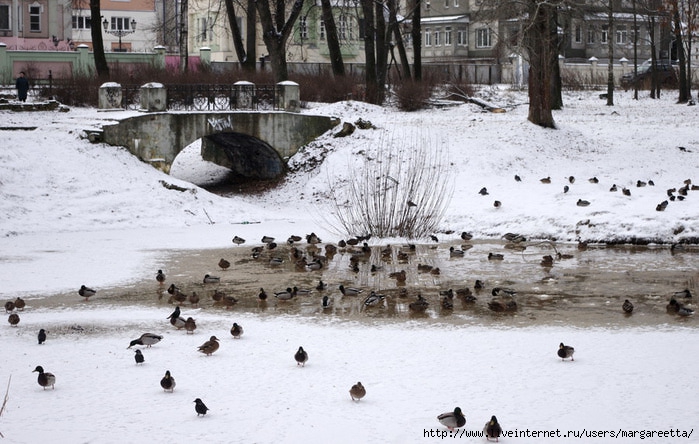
pixel 381 51
pixel 97 41
pixel 235 31
pixel 416 35
pixel 610 52
pixel 395 30
pixel 333 41
pixel 635 49
pixel 539 47
pixel 184 40
pixel 683 93
pixel 369 52
pixel 276 32
pixel 251 36
pixel 556 82
pixel 654 87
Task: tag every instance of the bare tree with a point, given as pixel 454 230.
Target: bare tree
pixel 677 22
pixel 276 31
pixel 416 37
pixel 183 31
pixel 333 40
pixel 610 53
pixel 236 34
pixel 97 41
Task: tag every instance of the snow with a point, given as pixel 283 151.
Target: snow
pixel 74 212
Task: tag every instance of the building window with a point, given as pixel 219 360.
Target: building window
pixel 605 34
pixel 456 3
pixel 321 32
pixel 447 36
pixel 303 28
pixel 462 37
pixel 343 32
pixel 5 17
pixel 204 31
pixel 590 35
pixel 621 35
pixel 34 18
pixel 578 34
pixel 636 34
pixel 80 22
pixel 118 23
pixel 446 4
pixel 428 37
pixel 436 39
pixel 483 38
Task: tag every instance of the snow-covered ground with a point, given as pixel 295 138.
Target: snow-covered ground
pixel 72 212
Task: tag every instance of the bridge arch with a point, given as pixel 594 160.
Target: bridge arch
pixel 157 138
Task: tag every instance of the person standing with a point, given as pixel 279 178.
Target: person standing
pixel 22 85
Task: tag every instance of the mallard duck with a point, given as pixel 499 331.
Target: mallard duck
pixel 238 240
pixel 678 294
pixel 209 279
pixel 172 289
pixel 452 420
pixel 218 295
pixel 478 285
pixel 447 303
pixel 453 252
pixel 271 245
pixel 267 239
pixel 226 302
pixel 200 407
pixel 419 305
pixel 178 296
pixel 566 351
pixel 399 276
pixel 175 318
pixel 313 239
pixel 545 179
pixel 190 325
pixel 285 295
pixel 495 256
pixel 13 319
pixel 326 302
pixel 349 291
pixel 547 261
pixel 168 382
pixel 684 311
pixel 209 346
pixel 224 264
pixel 321 285
pixel 613 188
pixel 626 191
pixel 194 298
pixel 20 304
pixel 9 306
pixel 45 379
pixel 86 292
pixel 160 277
pixel 138 357
pixel 465 235
pixel 514 237
pixel 357 392
pixel 293 239
pixel 593 180
pixel 373 299
pixel 673 306
pixel 497 204
pixel 41 337
pixel 330 249
pixel 146 339
pixel 316 265
pixel 627 306
pixel 301 291
pixel 492 429
pixel 517 178
pixel 301 357
pixel 499 291
pixel 276 261
pixel 483 191
pixel 262 295
pixel 236 331
pixel 583 203
pixel 499 305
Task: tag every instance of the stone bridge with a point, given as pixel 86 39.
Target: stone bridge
pixel 260 140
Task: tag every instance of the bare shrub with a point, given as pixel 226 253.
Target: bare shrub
pixel 327 88
pixel 402 190
pixel 574 80
pixel 413 95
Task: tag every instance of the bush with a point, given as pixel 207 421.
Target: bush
pixel 413 95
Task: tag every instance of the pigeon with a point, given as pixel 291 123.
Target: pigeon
pixel 301 357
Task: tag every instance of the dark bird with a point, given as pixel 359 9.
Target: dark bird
pixel 175 318
pixel 517 178
pixel 293 239
pixel 673 306
pixel 326 302
pixel 301 357
pixel 478 285
pixel 684 311
pixel 86 292
pixel 419 305
pixel 262 295
pixel 172 289
pixel 194 298
pixel 146 339
pixel 285 295
pixel 271 245
pixel 45 379
pixel 452 420
pixel 626 191
pixel 492 429
pixel 453 252
pixel 314 239
pixel 41 336
pixel 497 204
pixel 593 180
pixel 321 286
pixel 640 183
pixel 661 206
pixel 160 277
pixel 434 238
pixel 583 203
pixel 545 180
pixel 411 204
pixel 13 319
pixel 224 264
pixel 683 294
pixel 566 188
pixel 466 236
pixel 238 240
pixel 236 331
pixel 209 346
pixel 514 237
pixel 566 351
pixel 349 291
pixel 571 179
pixel 20 304
pixel 651 183
pixel 200 407
pixel 209 279
pixel 267 239
pixel 357 391
pixel 495 256
pixel 613 188
pixel 483 191
pixel 168 382
pixel 9 306
pixel 500 305
pixel 138 357
pixel 190 325
pixel 499 292
pixel 627 306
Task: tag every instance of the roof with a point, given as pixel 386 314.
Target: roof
pixel 445 19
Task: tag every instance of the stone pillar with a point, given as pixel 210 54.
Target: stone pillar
pixel 205 57
pixel 109 96
pixel 85 64
pixel 593 68
pixel 153 97
pixel 289 96
pixel 244 93
pixel 159 56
